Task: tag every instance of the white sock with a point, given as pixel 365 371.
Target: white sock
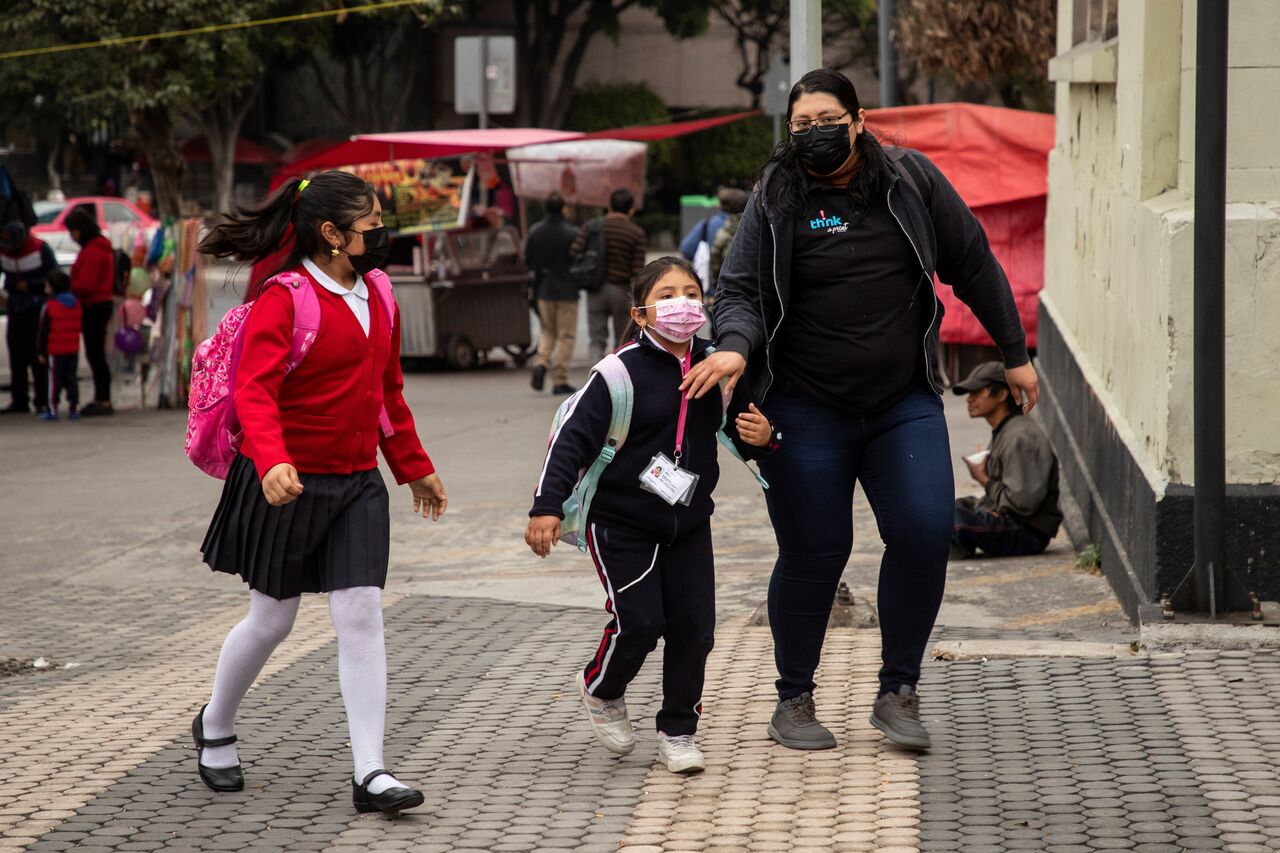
pixel 362 673
pixel 244 653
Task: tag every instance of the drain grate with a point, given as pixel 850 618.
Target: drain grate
pixel 23 666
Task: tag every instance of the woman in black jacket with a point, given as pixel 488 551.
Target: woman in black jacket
pixel 826 303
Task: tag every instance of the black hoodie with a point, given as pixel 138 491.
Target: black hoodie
pixel 619 501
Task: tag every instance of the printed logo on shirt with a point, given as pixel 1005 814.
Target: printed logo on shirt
pixel 830 224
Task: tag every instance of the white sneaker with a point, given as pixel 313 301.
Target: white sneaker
pixel 609 720
pixel 680 753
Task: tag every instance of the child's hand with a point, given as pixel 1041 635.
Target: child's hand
pixel 429 497
pixel 542 534
pixel 281 485
pixel 754 427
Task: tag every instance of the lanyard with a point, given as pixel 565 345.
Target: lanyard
pixel 684 404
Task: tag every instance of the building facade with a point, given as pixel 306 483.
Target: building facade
pixel 1116 316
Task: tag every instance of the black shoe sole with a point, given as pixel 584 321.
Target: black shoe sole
pixel 905 742
pixel 807 745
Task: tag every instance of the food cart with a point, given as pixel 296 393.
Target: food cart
pixel 462 286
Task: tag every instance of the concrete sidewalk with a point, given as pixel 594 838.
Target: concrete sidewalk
pixel 1072 744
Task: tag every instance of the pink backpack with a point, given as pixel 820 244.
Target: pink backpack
pixel 213 430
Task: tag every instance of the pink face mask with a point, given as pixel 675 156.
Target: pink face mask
pixel 679 318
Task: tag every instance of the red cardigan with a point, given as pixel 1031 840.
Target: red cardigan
pixel 93 274
pixel 323 417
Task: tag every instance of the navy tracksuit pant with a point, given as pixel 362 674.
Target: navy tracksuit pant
pixel 655 590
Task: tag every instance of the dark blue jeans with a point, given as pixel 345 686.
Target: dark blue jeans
pixel 902 459
pixel 997 535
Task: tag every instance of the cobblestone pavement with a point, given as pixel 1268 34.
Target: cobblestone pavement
pixel 1055 749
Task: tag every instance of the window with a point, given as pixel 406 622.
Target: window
pixel 115 213
pixel 1095 20
pixel 47 211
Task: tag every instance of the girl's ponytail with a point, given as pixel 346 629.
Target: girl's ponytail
pixel 285 228
pixel 254 232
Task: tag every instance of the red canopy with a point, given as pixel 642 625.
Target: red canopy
pixel 426 144
pixel 990 154
pixel 998 160
pixel 196 150
pixel 423 144
pixel 655 132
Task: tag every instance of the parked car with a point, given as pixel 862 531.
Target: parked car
pixel 118 219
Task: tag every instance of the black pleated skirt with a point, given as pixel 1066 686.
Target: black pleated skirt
pixel 336 535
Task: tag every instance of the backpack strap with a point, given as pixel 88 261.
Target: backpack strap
pixel 723 437
pixel 911 172
pixel 306 316
pixel 380 283
pixel 622 397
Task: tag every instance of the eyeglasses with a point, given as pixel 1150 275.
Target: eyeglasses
pixel 800 127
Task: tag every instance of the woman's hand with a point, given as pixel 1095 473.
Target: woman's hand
pixel 707 374
pixel 1025 385
pixel 542 534
pixel 281 485
pixel 754 427
pixel 428 496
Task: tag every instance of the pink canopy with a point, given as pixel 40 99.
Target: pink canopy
pixel 655 132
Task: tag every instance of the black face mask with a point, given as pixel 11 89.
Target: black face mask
pixel 377 246
pixel 823 152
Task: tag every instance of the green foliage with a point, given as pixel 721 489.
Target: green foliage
pixel 1090 559
pixel 604 107
pixel 730 155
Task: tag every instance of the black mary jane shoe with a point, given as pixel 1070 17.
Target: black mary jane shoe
pixel 391 801
pixel 217 778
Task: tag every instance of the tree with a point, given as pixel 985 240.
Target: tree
pixel 758 24
pixel 546 28
pixel 378 56
pixel 211 78
pixel 1000 46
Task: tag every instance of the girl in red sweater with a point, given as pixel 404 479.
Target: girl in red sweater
pixel 304 508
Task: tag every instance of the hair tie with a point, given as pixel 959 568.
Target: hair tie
pixel 306 182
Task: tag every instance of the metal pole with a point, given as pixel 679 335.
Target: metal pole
pixel 888 56
pixel 484 82
pixel 806 37
pixel 1210 306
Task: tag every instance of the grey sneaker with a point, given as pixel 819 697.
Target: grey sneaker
pixel 898 716
pixel 795 725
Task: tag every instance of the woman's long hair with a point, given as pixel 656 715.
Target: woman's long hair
pixel 642 285
pixel 789 181
pixel 290 218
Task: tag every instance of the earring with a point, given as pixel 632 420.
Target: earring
pixel 335 251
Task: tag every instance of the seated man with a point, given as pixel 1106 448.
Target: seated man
pixel 1019 514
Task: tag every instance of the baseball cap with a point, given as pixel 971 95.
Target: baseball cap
pixel 985 374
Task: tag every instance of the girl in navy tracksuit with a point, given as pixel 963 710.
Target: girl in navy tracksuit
pixel 653 555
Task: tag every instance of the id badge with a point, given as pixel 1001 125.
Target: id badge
pixel 664 478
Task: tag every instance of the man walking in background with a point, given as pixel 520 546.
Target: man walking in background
pixel 547 253
pixel 624 245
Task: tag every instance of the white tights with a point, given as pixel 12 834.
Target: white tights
pixel 362 672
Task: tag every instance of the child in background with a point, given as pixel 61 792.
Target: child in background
pixel 58 344
pixel 648 529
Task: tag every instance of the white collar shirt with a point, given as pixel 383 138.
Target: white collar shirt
pixel 357 298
